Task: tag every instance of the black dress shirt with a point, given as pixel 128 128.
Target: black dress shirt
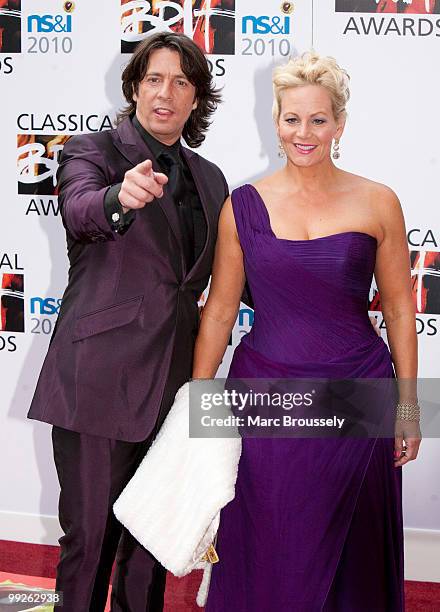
pixel 191 204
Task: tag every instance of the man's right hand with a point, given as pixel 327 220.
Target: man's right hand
pixel 140 186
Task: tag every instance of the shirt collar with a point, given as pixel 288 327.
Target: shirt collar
pixel 152 143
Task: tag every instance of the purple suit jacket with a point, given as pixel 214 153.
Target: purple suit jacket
pixel 124 339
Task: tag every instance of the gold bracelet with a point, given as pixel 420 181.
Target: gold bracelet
pixel 408 412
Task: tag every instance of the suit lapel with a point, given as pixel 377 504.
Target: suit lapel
pixel 135 150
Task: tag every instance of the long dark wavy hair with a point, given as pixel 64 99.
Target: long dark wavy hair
pixel 196 69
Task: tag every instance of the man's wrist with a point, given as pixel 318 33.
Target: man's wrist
pixel 119 217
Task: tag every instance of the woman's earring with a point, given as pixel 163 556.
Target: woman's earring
pixel 281 151
pixel 336 154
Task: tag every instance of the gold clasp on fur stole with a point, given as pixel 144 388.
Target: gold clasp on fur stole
pixel 211 555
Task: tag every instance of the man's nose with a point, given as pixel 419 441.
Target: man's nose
pixel 165 91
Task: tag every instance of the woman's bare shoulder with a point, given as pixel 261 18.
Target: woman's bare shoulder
pixel 374 189
pixel 268 183
pixel 381 203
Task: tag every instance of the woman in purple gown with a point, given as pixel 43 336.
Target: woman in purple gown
pixel 316 524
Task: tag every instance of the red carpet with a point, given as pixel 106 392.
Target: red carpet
pixel 19 562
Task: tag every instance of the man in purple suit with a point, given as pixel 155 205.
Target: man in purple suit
pixel 140 212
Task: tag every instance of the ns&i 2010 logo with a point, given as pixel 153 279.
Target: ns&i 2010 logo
pixel 60 23
pixel 265 24
pixel 47 23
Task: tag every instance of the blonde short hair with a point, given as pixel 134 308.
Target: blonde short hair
pixel 312 69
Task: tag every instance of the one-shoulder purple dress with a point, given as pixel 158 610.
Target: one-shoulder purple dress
pixel 316 524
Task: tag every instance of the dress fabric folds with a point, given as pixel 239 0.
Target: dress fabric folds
pixel 316 523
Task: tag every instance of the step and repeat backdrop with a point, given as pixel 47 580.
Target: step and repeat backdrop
pixel 60 67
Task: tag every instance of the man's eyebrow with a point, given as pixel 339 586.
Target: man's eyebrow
pixel 180 75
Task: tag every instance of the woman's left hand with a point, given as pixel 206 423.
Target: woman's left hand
pixel 406 442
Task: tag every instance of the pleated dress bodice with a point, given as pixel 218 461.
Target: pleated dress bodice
pixel 310 296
